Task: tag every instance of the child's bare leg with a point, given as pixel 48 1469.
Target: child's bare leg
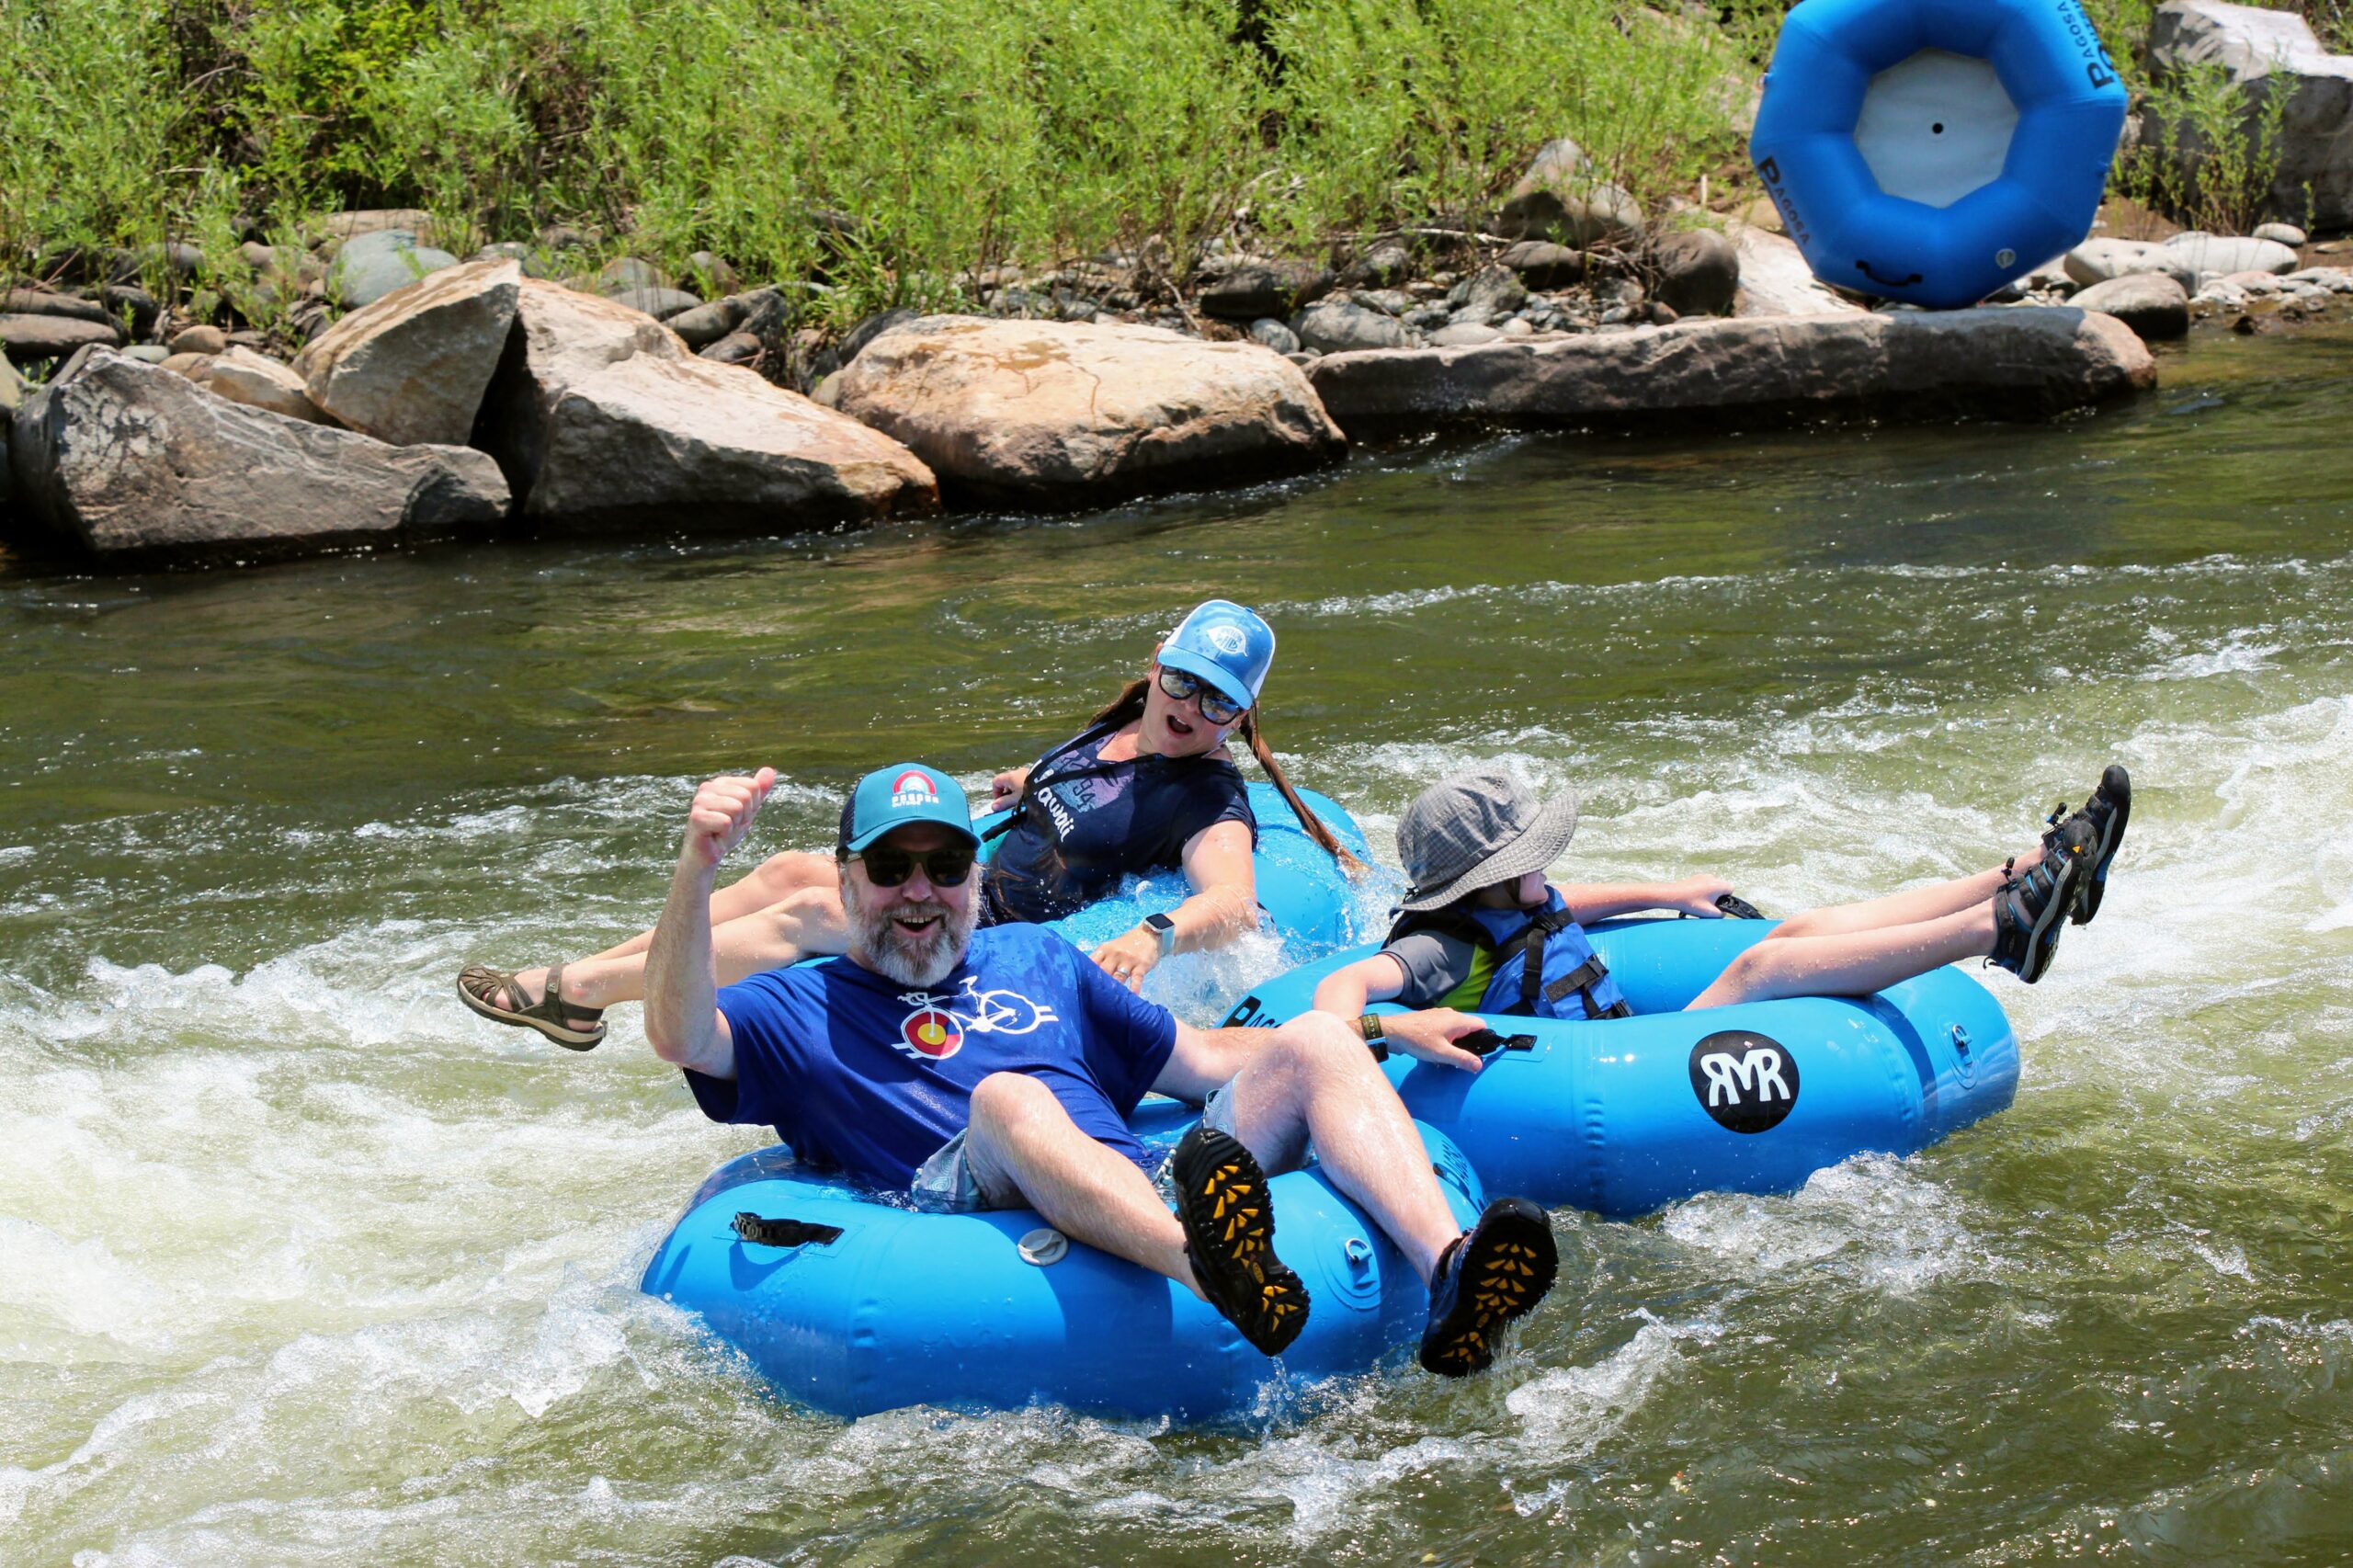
pixel 1908 908
pixel 1854 964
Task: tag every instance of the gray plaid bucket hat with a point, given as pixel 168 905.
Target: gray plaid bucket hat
pixel 1477 828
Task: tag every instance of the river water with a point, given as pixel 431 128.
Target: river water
pixel 299 1263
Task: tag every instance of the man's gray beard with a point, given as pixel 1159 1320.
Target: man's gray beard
pixel 876 941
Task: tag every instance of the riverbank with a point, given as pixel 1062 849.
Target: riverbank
pixel 1599 285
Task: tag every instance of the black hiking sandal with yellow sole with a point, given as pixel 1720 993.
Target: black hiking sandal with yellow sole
pixel 2031 909
pixel 1230 1240
pixel 1493 1273
pixel 2105 815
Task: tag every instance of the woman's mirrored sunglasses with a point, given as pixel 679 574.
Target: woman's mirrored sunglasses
pixel 944 867
pixel 1216 707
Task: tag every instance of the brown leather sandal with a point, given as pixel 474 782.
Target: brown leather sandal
pixel 500 997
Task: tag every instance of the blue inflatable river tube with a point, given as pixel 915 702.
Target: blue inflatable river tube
pixel 852 1302
pixel 1933 150
pixel 1623 1116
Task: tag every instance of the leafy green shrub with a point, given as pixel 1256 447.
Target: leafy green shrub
pixel 2208 154
pixel 86 121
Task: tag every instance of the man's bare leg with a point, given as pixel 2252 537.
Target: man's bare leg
pixel 1852 963
pixel 1314 1083
pixel 1021 1139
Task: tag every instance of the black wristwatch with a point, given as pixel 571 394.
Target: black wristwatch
pixel 1165 928
pixel 1368 1026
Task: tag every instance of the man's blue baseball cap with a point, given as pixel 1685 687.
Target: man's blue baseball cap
pixel 893 797
pixel 1225 645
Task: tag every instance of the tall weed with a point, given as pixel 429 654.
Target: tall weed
pixel 2209 152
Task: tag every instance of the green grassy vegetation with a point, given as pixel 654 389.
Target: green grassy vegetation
pixel 890 146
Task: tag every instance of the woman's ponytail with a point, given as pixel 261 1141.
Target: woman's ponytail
pixel 1307 818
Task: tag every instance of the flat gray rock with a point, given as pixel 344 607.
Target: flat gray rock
pixel 1912 365
pixel 43 303
pixel 2227 254
pixel 1334 326
pixel 32 338
pixel 1258 289
pixel 136 465
pixel 2152 305
pixel 2096 261
pixel 375 263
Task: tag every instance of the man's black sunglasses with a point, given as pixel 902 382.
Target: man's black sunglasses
pixel 943 868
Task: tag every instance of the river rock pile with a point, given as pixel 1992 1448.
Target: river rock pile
pixel 440 408
pixel 459 397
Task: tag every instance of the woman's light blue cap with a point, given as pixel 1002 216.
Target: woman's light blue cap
pixel 1225 645
pixel 893 797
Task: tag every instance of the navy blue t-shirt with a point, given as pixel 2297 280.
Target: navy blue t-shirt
pixel 1083 824
pixel 858 1072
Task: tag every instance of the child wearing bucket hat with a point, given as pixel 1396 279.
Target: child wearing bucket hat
pixel 1482 931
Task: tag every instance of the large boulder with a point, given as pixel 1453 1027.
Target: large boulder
pixel 2096 261
pixel 1899 365
pixel 560 338
pixel 2263 54
pixel 1063 412
pixel 1775 280
pixel 2151 304
pixel 136 464
pixel 653 442
pixel 2227 254
pixel 412 368
pixel 29 339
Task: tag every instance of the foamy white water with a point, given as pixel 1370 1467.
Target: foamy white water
pixel 299 1263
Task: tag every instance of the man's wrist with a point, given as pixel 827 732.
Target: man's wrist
pixel 1369 1029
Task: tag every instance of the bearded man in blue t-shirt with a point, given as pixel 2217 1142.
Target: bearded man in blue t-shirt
pixel 997 1068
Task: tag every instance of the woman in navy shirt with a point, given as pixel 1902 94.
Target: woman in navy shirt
pixel 1149 784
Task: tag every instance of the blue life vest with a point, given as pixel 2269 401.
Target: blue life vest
pixel 1569 982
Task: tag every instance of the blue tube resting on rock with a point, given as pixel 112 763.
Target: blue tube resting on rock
pixel 1934 150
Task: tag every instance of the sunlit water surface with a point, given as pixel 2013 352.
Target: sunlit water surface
pixel 299 1263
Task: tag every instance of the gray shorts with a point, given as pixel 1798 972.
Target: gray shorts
pixel 947 1183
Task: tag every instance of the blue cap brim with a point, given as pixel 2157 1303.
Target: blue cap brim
pixel 943 818
pixel 1210 671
